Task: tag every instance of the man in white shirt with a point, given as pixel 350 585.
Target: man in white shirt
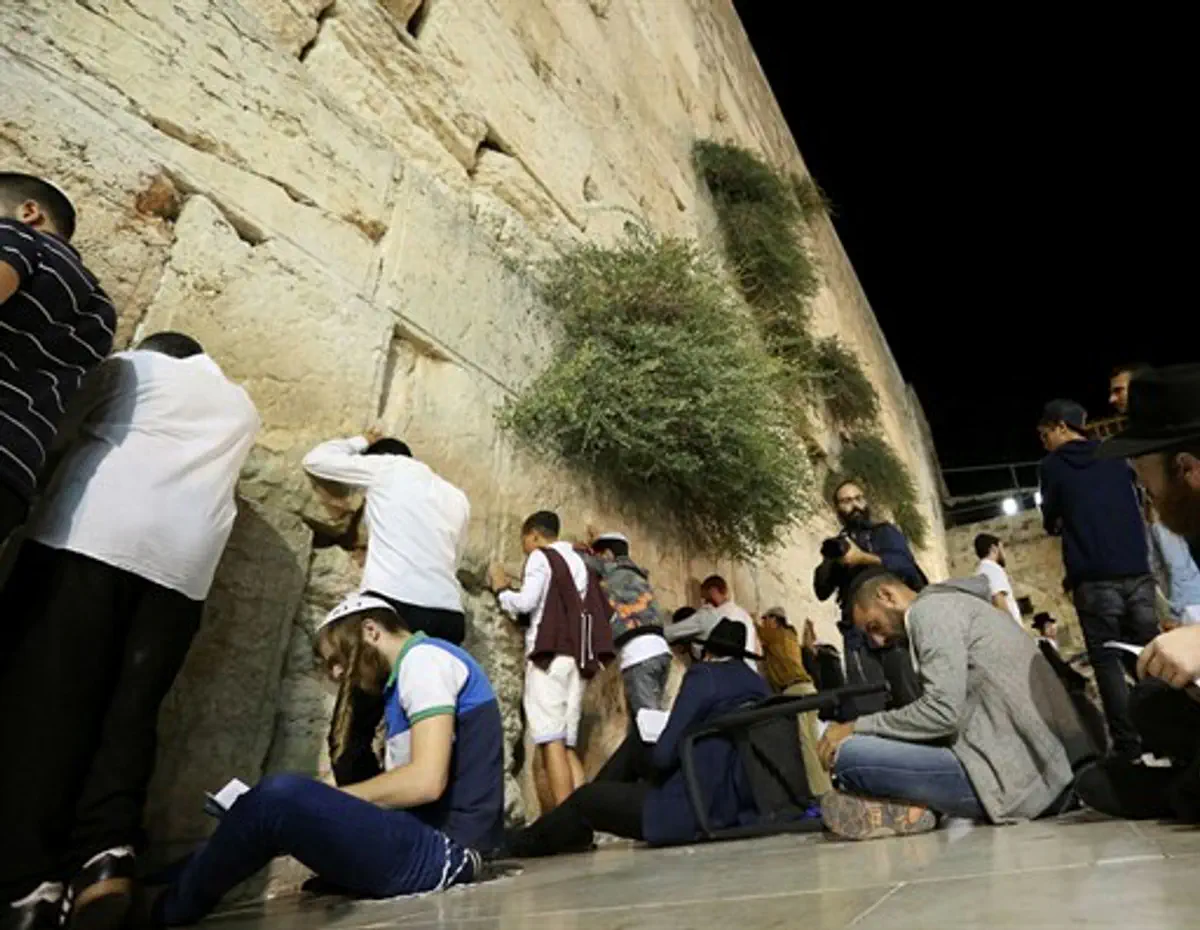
pixel 718 605
pixel 992 563
pixel 100 610
pixel 553 691
pixel 416 527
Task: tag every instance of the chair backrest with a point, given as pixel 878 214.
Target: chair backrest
pixel 774 766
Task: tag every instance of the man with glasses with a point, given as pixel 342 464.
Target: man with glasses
pixel 861 544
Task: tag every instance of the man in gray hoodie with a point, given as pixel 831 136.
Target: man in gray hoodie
pixel 993 737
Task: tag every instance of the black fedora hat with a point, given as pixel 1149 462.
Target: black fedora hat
pixel 1164 413
pixel 728 638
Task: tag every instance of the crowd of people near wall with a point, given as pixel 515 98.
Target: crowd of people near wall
pixel 122 469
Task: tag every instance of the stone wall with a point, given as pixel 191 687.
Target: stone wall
pixel 341 201
pixel 1034 564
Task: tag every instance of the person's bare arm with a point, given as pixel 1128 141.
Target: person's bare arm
pixel 424 779
pixel 1000 601
pixel 9 281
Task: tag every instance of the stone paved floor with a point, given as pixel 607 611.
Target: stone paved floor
pixel 1079 872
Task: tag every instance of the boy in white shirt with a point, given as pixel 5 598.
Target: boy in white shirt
pixel 562 646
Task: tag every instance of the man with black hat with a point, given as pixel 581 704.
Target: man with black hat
pixel 656 807
pixel 1092 503
pixel 1163 440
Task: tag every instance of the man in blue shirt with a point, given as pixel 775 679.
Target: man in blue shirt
pixel 861 544
pixel 414 828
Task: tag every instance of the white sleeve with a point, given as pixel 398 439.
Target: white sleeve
pixel 533 586
pixel 994 575
pixel 342 460
pixel 429 682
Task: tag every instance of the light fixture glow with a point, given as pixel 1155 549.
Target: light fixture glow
pixel 1037 498
pixel 1009 506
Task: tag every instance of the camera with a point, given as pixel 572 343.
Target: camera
pixel 835 547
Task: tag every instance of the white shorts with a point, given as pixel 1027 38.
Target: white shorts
pixel 554 701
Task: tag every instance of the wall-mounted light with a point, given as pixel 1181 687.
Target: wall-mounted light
pixel 1009 506
pixel 1037 498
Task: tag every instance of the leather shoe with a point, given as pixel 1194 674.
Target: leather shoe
pixel 100 896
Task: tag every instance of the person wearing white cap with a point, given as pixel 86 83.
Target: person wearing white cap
pixel 419 826
pixel 636 620
pixel 416 526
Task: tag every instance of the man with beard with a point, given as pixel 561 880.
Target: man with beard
pixel 992 737
pixel 863 544
pixel 992 565
pixel 1163 440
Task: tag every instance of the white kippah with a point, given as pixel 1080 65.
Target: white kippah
pixel 612 537
pixel 354 604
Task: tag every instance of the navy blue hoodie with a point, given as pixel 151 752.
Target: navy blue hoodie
pixel 1093 505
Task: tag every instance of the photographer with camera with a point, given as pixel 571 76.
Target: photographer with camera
pixel 860 545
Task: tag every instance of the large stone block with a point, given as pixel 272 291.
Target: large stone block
pixel 210 75
pixel 310 353
pixel 219 719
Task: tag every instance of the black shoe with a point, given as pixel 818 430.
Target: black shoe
pixel 1122 789
pixel 41 914
pixel 100 896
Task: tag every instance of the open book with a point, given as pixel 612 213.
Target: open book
pixel 217 805
pixel 650 724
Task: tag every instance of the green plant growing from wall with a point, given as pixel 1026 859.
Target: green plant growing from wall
pixel 850 398
pixel 872 461
pixel 811 198
pixel 761 214
pixel 759 222
pixel 660 392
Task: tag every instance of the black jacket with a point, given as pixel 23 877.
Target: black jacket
pixel 884 540
pixel 1093 505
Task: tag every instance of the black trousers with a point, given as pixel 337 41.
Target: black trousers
pixel 612 803
pixel 1168 722
pixel 358 761
pixel 13 509
pixel 1123 610
pixel 89 654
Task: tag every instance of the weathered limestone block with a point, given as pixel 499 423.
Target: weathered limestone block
pixel 122 235
pixel 309 353
pixel 448 286
pixel 218 721
pixel 307 698
pixel 292 22
pixel 208 74
pixel 361 60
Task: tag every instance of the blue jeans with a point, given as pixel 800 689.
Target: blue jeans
pixel 357 846
pixel 893 770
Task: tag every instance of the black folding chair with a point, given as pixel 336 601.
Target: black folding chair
pixel 737 726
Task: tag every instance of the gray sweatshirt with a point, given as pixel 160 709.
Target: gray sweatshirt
pixel 991 697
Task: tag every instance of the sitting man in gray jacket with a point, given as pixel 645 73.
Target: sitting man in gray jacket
pixel 993 737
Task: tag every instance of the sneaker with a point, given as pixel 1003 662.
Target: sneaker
pixel 40 910
pixel 855 818
pixel 100 896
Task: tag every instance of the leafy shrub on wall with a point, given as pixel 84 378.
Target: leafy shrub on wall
pixel 760 214
pixel 660 392
pixel 850 398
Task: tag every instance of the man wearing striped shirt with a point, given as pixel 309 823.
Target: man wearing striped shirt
pixel 56 324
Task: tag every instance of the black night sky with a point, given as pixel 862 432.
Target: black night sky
pixel 1019 201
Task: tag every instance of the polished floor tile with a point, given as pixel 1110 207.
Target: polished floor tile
pixel 1081 870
